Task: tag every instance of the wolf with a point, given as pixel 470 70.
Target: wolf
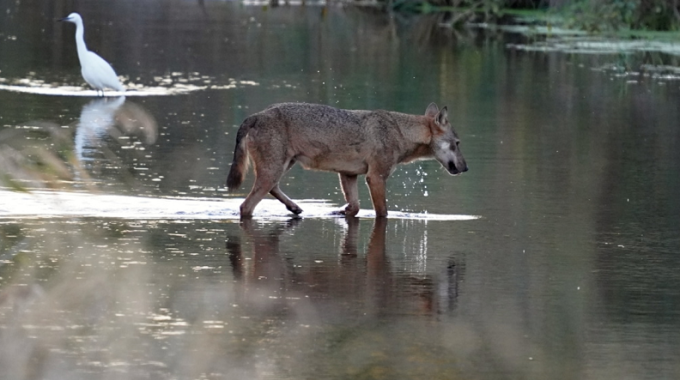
pixel 349 142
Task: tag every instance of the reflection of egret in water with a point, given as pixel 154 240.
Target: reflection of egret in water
pixel 48 156
pixel 102 118
pixel 96 118
pixel 111 117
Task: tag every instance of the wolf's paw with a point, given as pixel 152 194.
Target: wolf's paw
pixel 295 210
pixel 348 210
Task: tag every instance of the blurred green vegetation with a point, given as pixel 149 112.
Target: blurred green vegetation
pixel 613 15
pixel 39 155
pixel 594 16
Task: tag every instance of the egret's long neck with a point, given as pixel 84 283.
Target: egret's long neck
pixel 80 41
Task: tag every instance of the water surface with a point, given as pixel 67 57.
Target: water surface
pixel 570 271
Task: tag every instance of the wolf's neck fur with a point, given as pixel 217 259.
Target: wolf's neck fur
pixel 417 130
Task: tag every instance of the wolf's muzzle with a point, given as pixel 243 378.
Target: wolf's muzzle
pixel 454 170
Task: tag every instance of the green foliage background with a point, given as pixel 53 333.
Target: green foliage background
pixel 589 15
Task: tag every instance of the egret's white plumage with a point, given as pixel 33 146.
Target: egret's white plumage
pixel 96 71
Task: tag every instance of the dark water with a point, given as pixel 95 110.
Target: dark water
pixel 572 271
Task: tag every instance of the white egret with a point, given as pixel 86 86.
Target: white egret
pixel 96 71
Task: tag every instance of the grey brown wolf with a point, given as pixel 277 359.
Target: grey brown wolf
pixel 349 142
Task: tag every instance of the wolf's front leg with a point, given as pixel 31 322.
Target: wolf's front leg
pixel 351 192
pixel 376 186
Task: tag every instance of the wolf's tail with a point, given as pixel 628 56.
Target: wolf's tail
pixel 239 166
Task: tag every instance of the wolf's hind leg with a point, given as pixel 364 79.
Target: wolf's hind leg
pixel 351 192
pixel 266 179
pixel 283 198
pixel 257 193
pixel 269 164
pixel 290 205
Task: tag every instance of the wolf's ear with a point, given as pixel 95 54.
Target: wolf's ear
pixel 432 110
pixel 442 117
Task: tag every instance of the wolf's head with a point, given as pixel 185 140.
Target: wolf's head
pixel 445 142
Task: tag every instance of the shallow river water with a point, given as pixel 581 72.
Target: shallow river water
pixel 556 256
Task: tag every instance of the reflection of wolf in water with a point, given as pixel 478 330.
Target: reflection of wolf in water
pixel 356 274
pixel 348 142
